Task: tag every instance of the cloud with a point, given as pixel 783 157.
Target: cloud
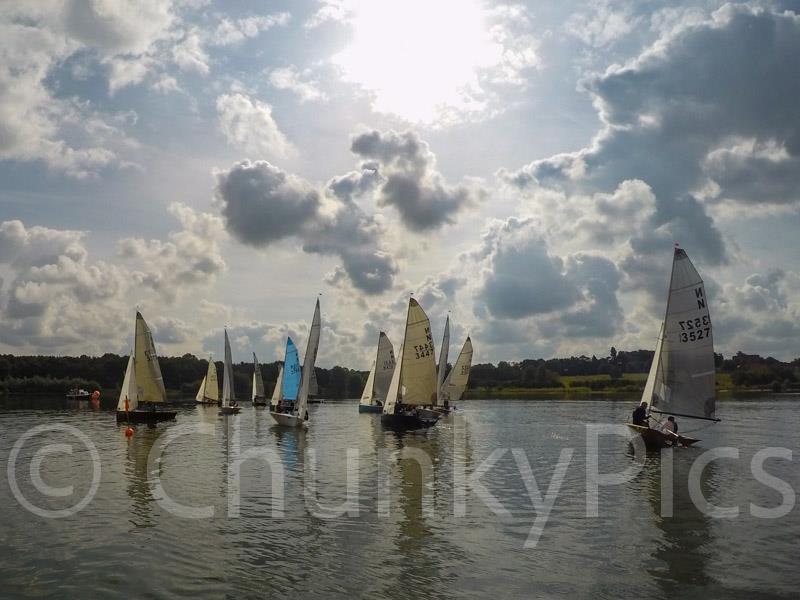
pixel 59 300
pixel 411 183
pixel 298 82
pixel 248 125
pixel 262 204
pixel 602 24
pixel 234 31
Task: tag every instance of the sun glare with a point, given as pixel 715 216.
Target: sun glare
pixel 420 58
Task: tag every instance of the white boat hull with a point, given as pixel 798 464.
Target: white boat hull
pixel 287 420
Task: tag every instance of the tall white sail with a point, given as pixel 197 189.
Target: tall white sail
pixel 687 354
pixel 227 375
pixel 655 377
pixel 201 393
pixel 443 352
pixel 211 391
pixel 367 397
pixel 258 381
pixel 313 388
pixel 394 389
pixel 149 381
pixel 129 390
pixel 277 394
pixel 308 365
pixel 458 378
pixel 384 368
pixel 418 361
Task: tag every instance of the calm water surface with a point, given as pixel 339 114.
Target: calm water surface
pixel 405 536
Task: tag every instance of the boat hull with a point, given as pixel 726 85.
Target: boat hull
pixel 655 439
pixel 370 408
pixel 260 402
pixel 407 422
pixel 145 416
pixel 214 402
pixel 287 420
pixel 229 410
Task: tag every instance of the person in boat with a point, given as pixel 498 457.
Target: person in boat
pixel 671 425
pixel 640 415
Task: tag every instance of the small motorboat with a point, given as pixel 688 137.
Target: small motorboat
pixel 78 394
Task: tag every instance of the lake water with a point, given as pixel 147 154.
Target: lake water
pixel 411 531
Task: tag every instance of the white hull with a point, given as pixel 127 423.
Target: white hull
pixel 287 420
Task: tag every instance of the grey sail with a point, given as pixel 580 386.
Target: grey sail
pixel 684 382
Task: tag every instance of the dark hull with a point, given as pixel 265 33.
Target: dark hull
pixel 406 422
pixel 655 439
pixel 145 416
pixel 317 401
pixel 260 402
pixel 229 410
pixel 369 408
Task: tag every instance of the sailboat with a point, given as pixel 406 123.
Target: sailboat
pixel 380 376
pixel 258 395
pixel 681 378
pixel 143 383
pixel 297 414
pixel 209 387
pixel 414 379
pixel 456 382
pixel 228 405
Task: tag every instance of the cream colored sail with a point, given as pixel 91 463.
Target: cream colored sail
pixel 443 352
pixel 149 381
pixel 687 354
pixel 201 393
pixel 277 395
pixel 258 381
pixel 384 368
pixel 394 389
pixel 310 359
pixel 212 383
pixel 457 380
pixel 228 393
pixel 366 395
pixel 654 377
pixel 129 391
pixel 418 361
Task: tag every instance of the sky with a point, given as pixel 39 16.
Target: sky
pixel 524 167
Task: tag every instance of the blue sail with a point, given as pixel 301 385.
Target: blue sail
pixel 291 372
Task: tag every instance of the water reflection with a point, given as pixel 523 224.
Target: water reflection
pixel 137 450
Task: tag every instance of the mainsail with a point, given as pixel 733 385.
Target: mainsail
pixel 277 394
pixel 291 372
pixel 212 384
pixel 228 394
pixel 417 362
pixel 258 381
pixel 148 377
pixel 684 381
pixel 443 352
pixel 129 391
pixel 380 374
pixel 456 382
pixel 308 365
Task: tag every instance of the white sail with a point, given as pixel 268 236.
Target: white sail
pixel 149 381
pixel 277 395
pixel 443 352
pixel 313 388
pixel 211 391
pixel 687 355
pixel 457 380
pixel 418 361
pixel 308 365
pixel 201 393
pixel 384 368
pixel 258 381
pixel 129 391
pixel 228 393
pixel 367 396
pixel 654 375
pixel 394 389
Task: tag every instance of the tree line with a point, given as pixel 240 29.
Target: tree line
pixel 183 374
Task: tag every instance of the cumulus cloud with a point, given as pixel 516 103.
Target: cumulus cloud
pixel 262 204
pixel 411 184
pixel 60 300
pixel 233 31
pixel 299 82
pixel 248 125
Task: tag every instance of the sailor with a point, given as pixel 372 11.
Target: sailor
pixel 671 425
pixel 640 415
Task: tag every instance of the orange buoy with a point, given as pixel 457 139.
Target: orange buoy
pixel 129 431
pixel 95 394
